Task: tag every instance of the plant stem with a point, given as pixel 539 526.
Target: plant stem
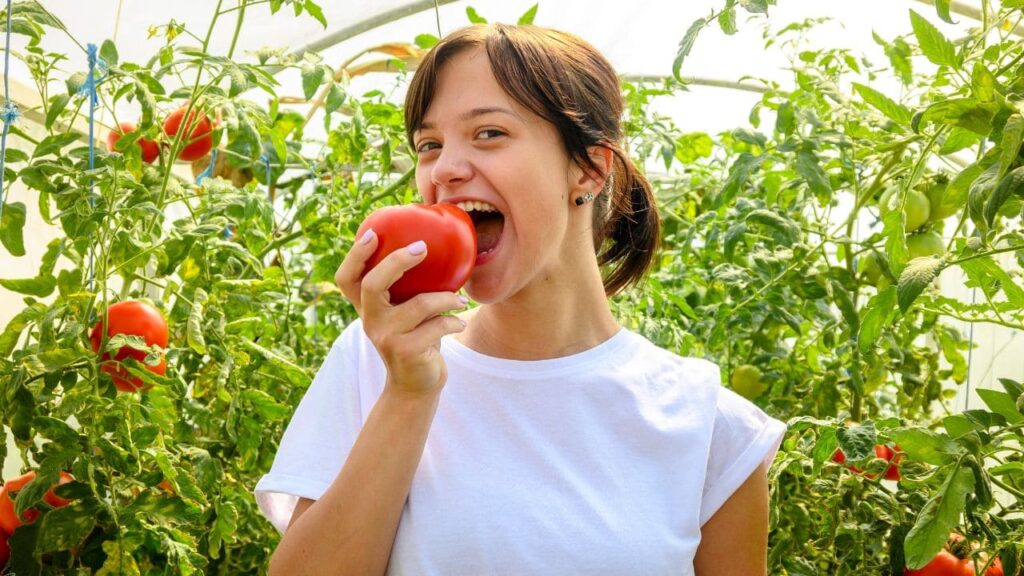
pixel 238 27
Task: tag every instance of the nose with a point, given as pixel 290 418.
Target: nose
pixel 451 168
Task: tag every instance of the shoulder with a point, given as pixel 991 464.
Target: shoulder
pixel 650 357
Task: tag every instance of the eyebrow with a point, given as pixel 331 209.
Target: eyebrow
pixel 474 113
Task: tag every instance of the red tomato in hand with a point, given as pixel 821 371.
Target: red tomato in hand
pixel 944 564
pixel 198 138
pixel 132 318
pixel 150 149
pixel 451 246
pixel 9 522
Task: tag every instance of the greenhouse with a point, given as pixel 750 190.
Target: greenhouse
pixel 710 288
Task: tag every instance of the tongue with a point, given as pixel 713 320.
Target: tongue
pixel 488 230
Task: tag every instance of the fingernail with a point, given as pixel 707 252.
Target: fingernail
pixel 417 248
pixel 367 236
pixel 463 300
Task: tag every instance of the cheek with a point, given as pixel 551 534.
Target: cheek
pixel 423 186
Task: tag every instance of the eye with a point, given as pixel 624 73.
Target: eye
pixel 494 131
pixel 426 146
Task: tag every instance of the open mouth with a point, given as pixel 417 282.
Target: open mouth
pixel 488 221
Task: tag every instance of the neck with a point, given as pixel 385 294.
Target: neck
pixel 553 317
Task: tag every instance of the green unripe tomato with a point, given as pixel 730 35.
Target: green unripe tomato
pixel 868 266
pixel 746 381
pixel 926 244
pixel 935 190
pixel 916 211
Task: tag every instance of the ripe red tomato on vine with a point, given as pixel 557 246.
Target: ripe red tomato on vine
pixel 132 318
pixel 197 134
pixel 881 451
pixel 451 246
pixel 9 521
pixel 150 149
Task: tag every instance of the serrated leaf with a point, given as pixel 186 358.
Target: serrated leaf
pixel 685 45
pixel 335 98
pixel 787 230
pixel 808 166
pixel 934 45
pixel 991 277
pixel 1013 135
pixel 65 527
pixel 894 110
pixel 315 11
pixel 918 274
pixel 940 515
pixel 942 9
pixel 196 341
pixel 727 20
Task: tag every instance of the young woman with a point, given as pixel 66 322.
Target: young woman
pixel 533 434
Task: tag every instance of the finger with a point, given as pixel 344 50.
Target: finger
pixel 376 282
pixel 350 271
pixel 422 307
pixel 430 332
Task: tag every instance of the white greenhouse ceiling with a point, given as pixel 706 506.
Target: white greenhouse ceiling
pixel 640 37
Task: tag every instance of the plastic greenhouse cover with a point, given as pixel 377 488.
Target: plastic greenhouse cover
pixel 640 37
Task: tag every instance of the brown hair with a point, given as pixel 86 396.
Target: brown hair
pixel 563 79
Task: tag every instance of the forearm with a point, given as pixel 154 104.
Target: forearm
pixel 351 528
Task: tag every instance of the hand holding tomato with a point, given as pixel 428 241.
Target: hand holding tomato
pixel 133 318
pixel 433 250
pixel 9 521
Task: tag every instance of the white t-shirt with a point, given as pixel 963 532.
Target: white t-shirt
pixel 603 462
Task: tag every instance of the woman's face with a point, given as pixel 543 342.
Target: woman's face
pixel 476 143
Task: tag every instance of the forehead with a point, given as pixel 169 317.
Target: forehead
pixel 466 82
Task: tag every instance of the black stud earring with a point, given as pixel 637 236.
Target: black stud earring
pixel 581 200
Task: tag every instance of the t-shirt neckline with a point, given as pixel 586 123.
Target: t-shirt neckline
pixel 534 369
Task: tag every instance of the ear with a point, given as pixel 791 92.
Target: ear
pixel 589 181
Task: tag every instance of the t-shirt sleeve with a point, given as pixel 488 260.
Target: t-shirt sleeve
pixel 743 437
pixel 318 438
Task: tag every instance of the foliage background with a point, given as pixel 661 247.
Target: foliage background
pixel 752 273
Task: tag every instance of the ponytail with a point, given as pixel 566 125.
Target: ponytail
pixel 627 222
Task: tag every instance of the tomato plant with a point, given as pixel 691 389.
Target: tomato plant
pixel 451 246
pixel 944 564
pixel 149 149
pixel 130 318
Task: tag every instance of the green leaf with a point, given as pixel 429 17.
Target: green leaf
pixel 58 102
pixel 984 83
pixel 315 11
pixel 108 52
pixel 918 274
pixel 426 41
pixel 991 277
pixel 12 228
pixel 12 333
pixel 53 144
pixel 957 139
pixel 1013 135
pixel 474 17
pixel 788 231
pixel 922 445
pixel 963 112
pixel 265 405
pixel 756 6
pixel 727 20
pixel 12 155
pixel 942 9
pixel 65 527
pixel 528 16
pixel 40 287
pixel 940 515
pixel 894 110
pixel 685 45
pixel 933 44
pixel 857 442
pixel 876 315
pixel 1001 403
pixel 312 78
pixel 294 373
pixel 335 98
pixel 808 166
pixel 196 341
pixel 1011 185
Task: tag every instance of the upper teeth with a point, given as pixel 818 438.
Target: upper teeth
pixel 476 205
